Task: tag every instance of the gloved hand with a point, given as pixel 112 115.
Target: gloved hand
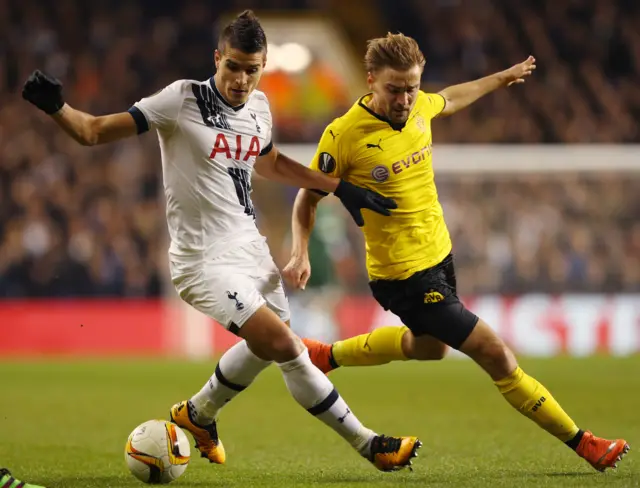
pixel 44 92
pixel 355 198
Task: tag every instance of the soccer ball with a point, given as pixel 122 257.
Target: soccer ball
pixel 157 452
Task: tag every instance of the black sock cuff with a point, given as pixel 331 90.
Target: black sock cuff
pixel 573 443
pixel 224 381
pixel 332 360
pixel 325 404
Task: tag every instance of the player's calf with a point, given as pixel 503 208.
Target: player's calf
pixel 313 391
pixel 423 348
pixel 235 371
pixel 534 401
pixel 380 346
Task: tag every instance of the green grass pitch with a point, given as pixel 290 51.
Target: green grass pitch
pixel 64 424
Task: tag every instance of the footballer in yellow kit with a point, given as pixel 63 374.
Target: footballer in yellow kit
pixel 396 161
pixel 384 143
pixel 394 158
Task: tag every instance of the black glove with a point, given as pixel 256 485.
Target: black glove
pixel 355 198
pixel 44 92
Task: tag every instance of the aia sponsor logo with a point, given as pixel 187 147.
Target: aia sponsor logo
pixel 239 151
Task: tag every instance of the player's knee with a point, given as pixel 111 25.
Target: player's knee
pixel 285 347
pixel 494 351
pixel 496 358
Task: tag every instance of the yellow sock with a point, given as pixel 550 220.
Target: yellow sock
pixel 381 346
pixel 533 400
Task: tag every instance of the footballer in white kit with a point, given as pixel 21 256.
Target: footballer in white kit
pixel 213 134
pixel 220 263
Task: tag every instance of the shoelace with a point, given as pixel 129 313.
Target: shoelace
pixel 212 428
pixel 384 445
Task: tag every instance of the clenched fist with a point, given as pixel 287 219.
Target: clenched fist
pixel 44 92
pixel 297 272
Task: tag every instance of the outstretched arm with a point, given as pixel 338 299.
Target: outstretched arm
pixel 46 94
pixel 298 269
pixel 460 96
pixel 278 167
pixel 89 130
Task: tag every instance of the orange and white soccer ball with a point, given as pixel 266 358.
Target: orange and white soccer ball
pixel 157 452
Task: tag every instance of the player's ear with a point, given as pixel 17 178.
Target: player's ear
pixel 217 57
pixel 370 80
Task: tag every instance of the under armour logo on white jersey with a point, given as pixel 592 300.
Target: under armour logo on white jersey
pixel 216 120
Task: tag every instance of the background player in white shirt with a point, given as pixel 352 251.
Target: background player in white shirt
pixel 212 134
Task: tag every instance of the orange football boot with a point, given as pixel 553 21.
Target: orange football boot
pixel 321 355
pixel 206 436
pixel 393 453
pixel 601 453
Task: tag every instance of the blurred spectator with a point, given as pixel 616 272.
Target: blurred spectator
pixel 545 233
pixel 90 222
pixel 588 58
pixel 524 233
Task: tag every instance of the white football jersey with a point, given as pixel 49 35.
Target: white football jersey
pixel 208 151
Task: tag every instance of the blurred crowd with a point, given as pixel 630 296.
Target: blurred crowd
pixel 80 221
pixel 511 234
pixel 545 233
pixel 588 59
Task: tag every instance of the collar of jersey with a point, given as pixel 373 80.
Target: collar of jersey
pixel 378 116
pixel 222 99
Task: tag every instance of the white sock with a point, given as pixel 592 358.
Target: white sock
pixel 237 368
pixel 313 390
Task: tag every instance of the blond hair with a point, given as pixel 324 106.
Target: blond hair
pixel 395 51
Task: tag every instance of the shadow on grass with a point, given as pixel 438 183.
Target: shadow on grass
pixel 97 481
pixel 91 481
pixel 267 480
pixel 272 480
pixel 569 474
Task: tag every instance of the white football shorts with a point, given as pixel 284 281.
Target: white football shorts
pixel 233 286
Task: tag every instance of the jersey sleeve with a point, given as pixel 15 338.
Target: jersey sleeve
pixel 268 139
pixel 160 110
pixel 331 157
pixel 434 103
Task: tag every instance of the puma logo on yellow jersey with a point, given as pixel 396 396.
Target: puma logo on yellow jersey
pixel 433 297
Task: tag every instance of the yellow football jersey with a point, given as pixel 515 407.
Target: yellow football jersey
pixel 366 150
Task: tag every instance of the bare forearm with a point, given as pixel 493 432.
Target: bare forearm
pixel 286 170
pixel 460 96
pixel 77 124
pixel 302 221
pixel 89 130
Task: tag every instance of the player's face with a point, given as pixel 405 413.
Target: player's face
pixel 238 73
pixel 395 92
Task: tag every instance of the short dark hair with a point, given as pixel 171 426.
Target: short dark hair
pixel 244 33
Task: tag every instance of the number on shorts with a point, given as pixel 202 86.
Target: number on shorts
pixel 242 182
